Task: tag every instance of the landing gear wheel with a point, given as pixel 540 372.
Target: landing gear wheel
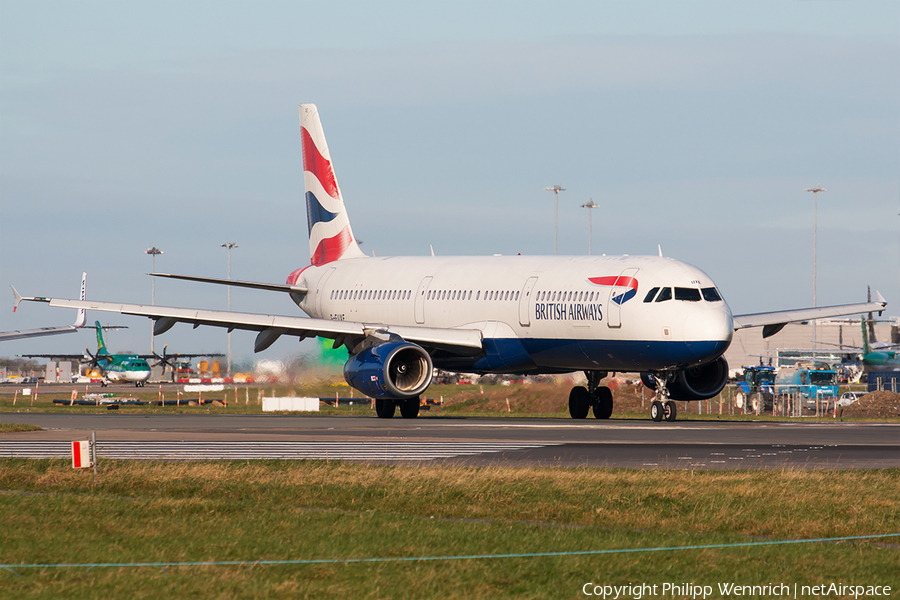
pixel 385 408
pixel 409 409
pixel 579 402
pixel 656 411
pixel 670 410
pixel 603 403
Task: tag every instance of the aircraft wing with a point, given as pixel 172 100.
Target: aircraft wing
pixel 28 333
pixel 54 356
pixel 773 322
pixel 271 327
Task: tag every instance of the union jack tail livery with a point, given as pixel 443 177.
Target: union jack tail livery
pixel 330 235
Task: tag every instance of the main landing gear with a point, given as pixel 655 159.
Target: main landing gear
pixel 599 398
pixel 409 409
pixel 662 408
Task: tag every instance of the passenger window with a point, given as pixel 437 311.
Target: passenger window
pixel 687 294
pixel 651 294
pixel 711 294
pixel 664 294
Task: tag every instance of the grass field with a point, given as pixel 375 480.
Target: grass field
pixel 538 400
pixel 150 512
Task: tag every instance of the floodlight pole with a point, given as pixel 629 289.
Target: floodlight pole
pixel 153 251
pixel 229 246
pixel 556 189
pixel 589 205
pixel 815 191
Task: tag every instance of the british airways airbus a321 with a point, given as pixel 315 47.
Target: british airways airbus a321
pixel 401 317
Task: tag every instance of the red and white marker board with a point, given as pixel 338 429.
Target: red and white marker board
pixel 81 455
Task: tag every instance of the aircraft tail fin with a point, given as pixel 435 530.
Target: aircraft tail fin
pixel 82 313
pixel 867 347
pixel 330 235
pixel 101 346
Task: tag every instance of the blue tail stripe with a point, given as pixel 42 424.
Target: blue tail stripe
pixel 315 212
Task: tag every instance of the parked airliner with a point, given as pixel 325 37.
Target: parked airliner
pixel 402 316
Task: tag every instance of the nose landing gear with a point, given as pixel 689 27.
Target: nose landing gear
pixel 663 408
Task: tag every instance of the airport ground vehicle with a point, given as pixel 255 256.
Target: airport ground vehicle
pixel 807 382
pixel 756 392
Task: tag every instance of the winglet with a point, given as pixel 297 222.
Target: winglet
pixel 880 299
pixel 82 313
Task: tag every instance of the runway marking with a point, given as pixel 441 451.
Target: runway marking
pixel 359 451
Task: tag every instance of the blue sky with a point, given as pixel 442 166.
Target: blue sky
pixel 695 125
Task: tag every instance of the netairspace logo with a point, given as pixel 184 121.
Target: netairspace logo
pixel 734 590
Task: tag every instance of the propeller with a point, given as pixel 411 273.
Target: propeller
pixel 166 360
pixel 93 360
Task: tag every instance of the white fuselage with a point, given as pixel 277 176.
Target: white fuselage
pixel 536 314
pixel 128 371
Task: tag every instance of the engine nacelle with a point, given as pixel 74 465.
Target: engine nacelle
pixel 392 370
pixel 696 383
pixel 700 383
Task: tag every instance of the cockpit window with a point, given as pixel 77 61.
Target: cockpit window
pixel 651 294
pixel 664 294
pixel 711 294
pixel 687 294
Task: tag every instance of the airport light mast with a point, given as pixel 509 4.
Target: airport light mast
pixel 589 205
pixel 815 191
pixel 153 251
pixel 229 246
pixel 556 189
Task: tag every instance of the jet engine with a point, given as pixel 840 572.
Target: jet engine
pixel 700 383
pixel 391 370
pixel 695 383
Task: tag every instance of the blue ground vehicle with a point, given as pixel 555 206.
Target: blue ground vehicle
pixel 756 392
pixel 807 382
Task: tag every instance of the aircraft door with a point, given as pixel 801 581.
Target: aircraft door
pixel 320 290
pixel 525 302
pixel 622 290
pixel 420 299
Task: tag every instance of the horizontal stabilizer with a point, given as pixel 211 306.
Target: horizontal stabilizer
pixel 273 287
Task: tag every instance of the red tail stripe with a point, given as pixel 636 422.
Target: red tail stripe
pixel 318 165
pixel 331 249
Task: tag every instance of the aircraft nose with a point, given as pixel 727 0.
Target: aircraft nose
pixel 712 326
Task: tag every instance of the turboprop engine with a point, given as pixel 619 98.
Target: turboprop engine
pixel 695 383
pixel 391 370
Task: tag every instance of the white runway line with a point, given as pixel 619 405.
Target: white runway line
pixel 361 451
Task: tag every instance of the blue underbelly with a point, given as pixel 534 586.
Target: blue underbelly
pixel 511 355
